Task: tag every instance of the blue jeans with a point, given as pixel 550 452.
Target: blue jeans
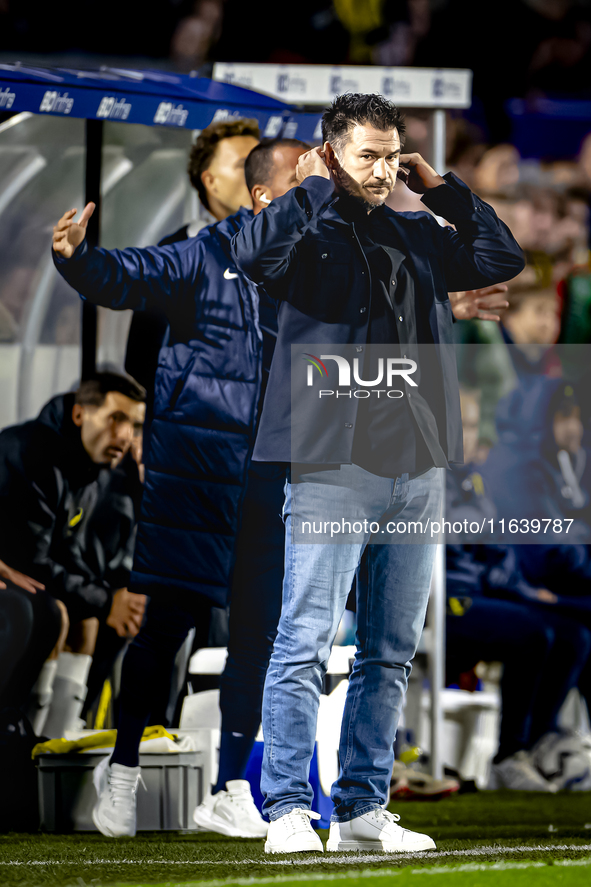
pixel 393 582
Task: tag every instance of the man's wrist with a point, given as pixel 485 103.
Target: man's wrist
pixel 80 251
pixel 319 191
pixel 436 182
pixel 452 197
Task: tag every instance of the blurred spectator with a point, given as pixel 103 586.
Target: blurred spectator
pixel 493 358
pixel 546 44
pixel 531 324
pixel 69 494
pixel 495 614
pixel 109 28
pixel 584 161
pixel 484 364
pixel 545 47
pixel 542 217
pixel 195 33
pixel 535 470
pixel 465 150
pixel 407 23
pixel 255 32
pixel 497 172
pixel 576 312
pixel 551 223
pixel 182 33
pixel 384 33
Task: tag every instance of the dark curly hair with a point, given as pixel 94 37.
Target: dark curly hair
pixel 354 108
pixel 206 143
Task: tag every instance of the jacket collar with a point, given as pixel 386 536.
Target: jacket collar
pixel 352 210
pixel 409 237
pixel 227 228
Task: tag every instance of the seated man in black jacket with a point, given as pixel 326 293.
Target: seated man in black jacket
pixel 68 501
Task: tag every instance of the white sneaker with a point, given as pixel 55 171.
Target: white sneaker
pixel 376 830
pixel 114 813
pixel 232 812
pixel 518 774
pixel 293 833
pixel 562 758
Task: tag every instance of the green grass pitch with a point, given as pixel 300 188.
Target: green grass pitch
pixel 489 839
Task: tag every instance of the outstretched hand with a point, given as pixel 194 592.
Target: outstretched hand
pixel 478 303
pixel 19 579
pixel 68 234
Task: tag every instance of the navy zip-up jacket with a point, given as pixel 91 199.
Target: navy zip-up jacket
pixel 205 400
pixel 309 258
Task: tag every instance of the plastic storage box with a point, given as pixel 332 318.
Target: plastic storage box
pixel 174 784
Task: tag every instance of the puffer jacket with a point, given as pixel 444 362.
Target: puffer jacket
pixel 206 397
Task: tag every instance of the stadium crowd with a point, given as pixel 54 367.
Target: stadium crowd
pixel 546 44
pixel 73 483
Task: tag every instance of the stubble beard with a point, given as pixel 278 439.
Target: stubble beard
pixel 352 187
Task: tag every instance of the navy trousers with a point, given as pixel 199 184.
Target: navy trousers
pixel 254 613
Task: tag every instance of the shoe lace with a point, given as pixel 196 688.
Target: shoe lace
pixel 303 815
pixel 382 814
pixel 124 788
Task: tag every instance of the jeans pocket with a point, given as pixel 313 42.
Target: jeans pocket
pixel 286 510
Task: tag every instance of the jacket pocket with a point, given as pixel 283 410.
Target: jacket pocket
pixel 174 368
pixel 178 388
pixel 328 279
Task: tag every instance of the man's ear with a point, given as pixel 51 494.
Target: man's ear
pixel 208 180
pixel 261 197
pixel 78 414
pixel 260 194
pixel 330 158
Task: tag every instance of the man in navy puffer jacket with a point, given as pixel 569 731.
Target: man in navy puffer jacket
pixel 206 400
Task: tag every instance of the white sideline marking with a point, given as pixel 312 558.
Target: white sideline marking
pixel 377 873
pixel 338 859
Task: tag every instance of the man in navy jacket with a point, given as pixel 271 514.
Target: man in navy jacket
pixel 349 274
pixel 197 459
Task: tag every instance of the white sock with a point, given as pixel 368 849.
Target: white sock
pixel 69 693
pixel 74 666
pixel 40 696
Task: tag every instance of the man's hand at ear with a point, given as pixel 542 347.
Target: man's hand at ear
pixel 417 175
pixel 312 163
pixel 68 234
